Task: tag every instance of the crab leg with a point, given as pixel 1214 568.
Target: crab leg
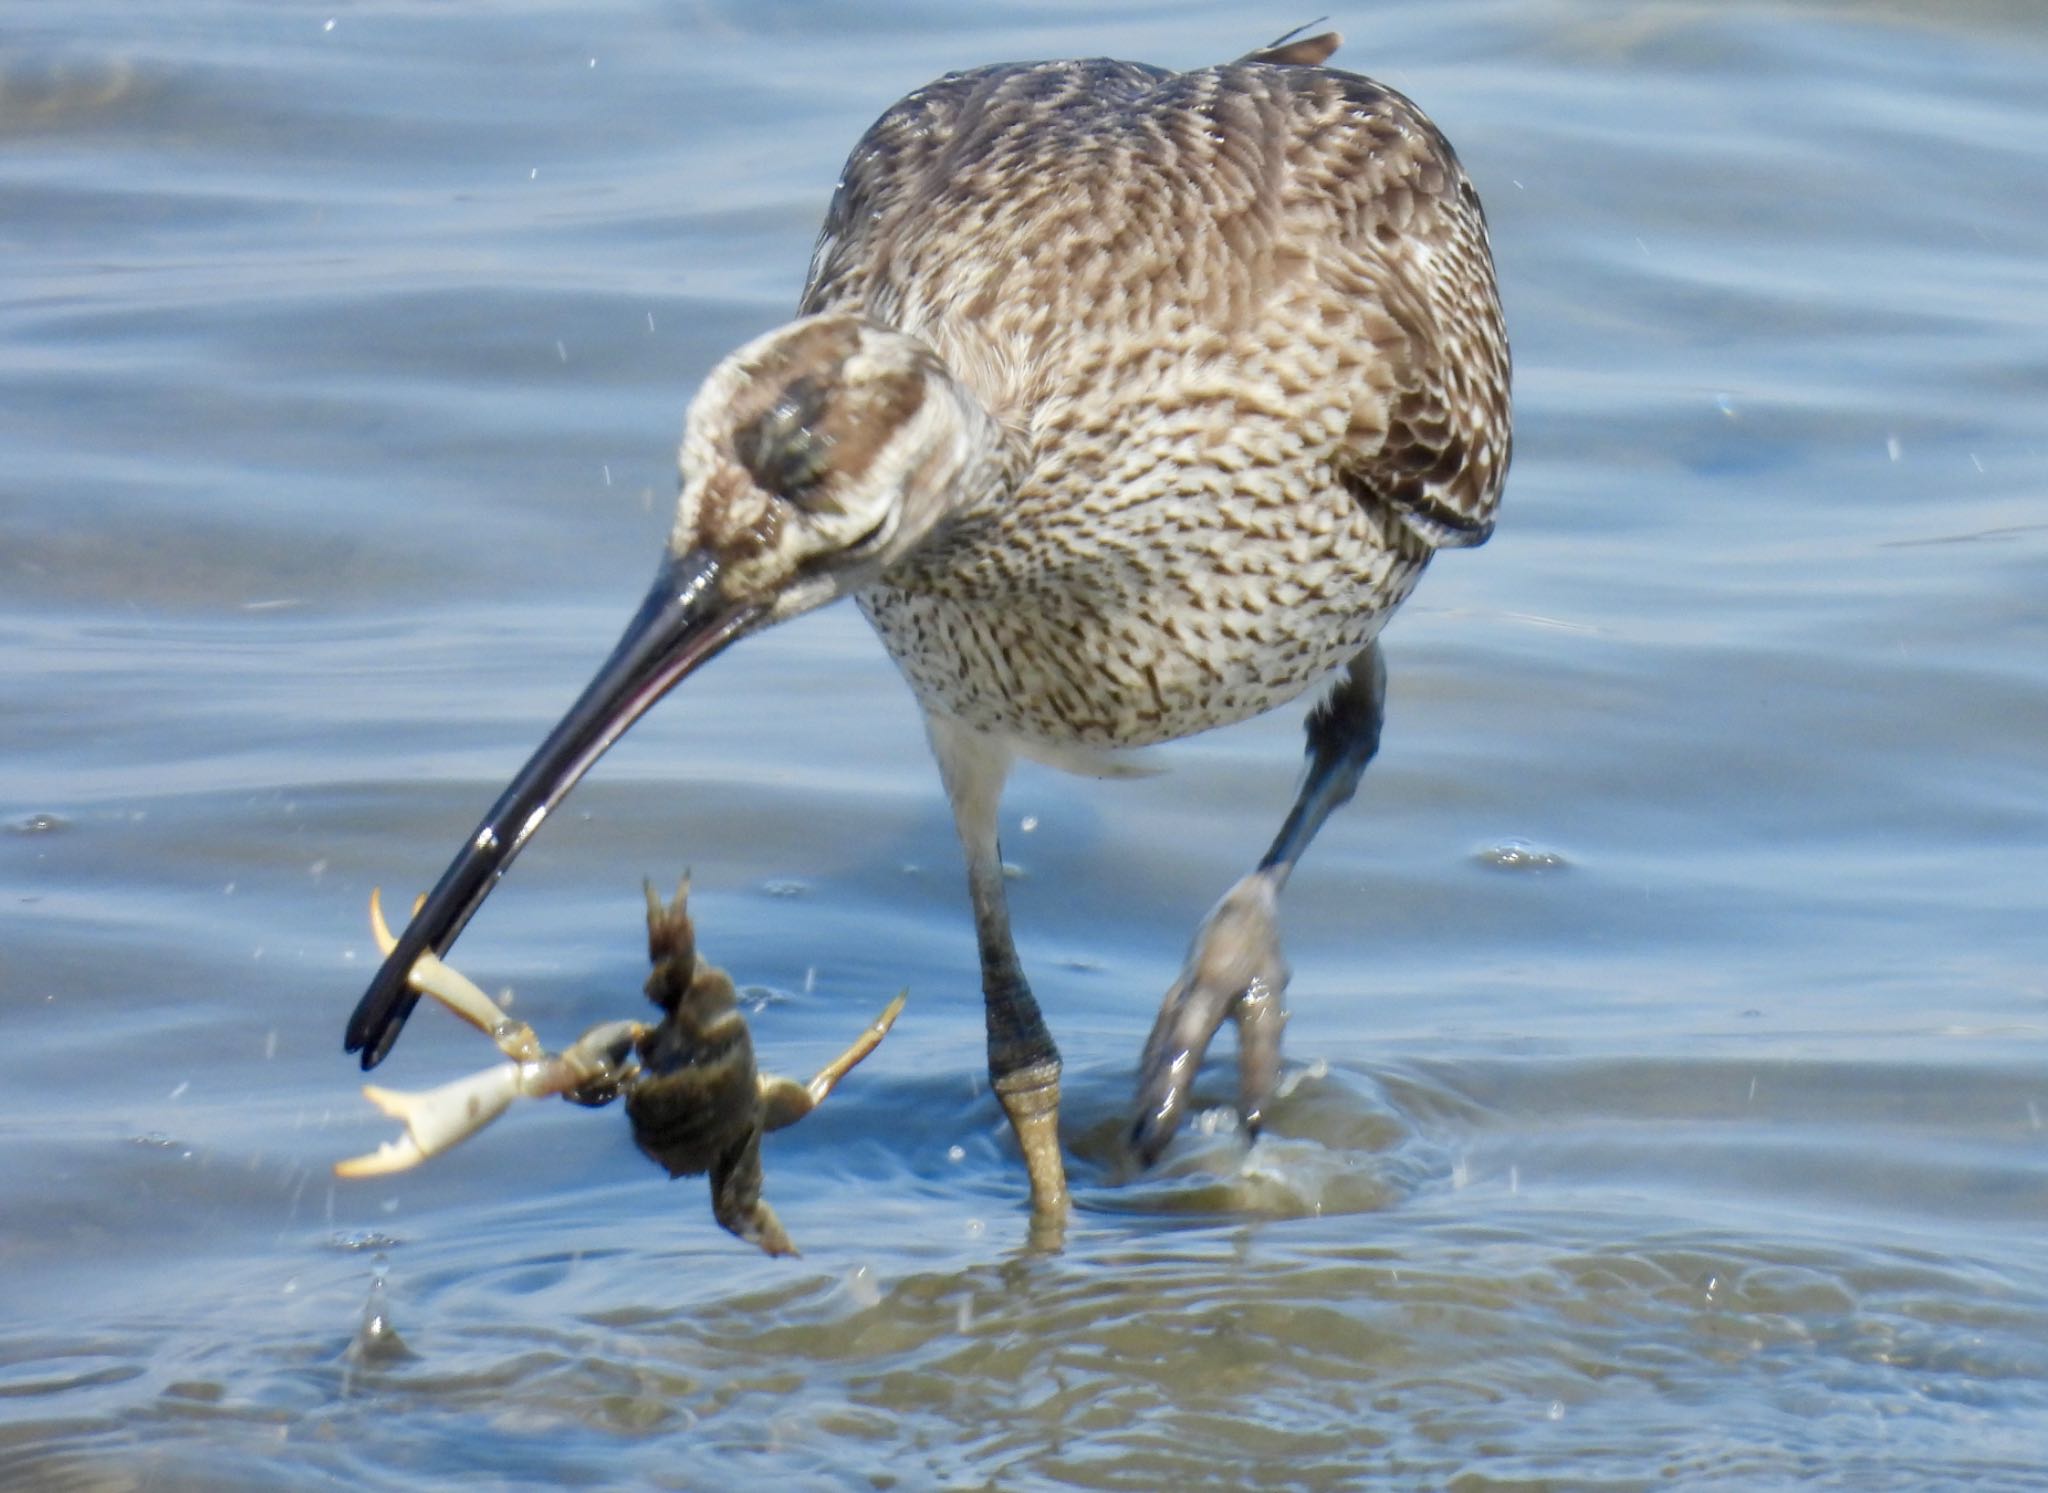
pixel 458 993
pixel 436 1119
pixel 784 1102
pixel 829 1075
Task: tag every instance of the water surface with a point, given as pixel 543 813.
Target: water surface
pixel 1666 1094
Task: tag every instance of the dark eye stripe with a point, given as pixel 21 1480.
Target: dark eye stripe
pixel 785 448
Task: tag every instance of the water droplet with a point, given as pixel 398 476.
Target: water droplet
pixel 376 1340
pixel 1520 855
pixel 355 1241
pixel 861 1286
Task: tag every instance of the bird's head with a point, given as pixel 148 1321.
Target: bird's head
pixel 816 456
pixel 812 459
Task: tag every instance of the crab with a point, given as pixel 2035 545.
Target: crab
pixel 696 1103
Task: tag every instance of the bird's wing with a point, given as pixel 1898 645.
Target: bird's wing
pixel 1429 439
pixel 1003 211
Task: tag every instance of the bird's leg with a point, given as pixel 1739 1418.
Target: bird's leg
pixel 1023 1062
pixel 1235 968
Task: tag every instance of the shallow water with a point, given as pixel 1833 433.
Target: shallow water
pixel 1669 1051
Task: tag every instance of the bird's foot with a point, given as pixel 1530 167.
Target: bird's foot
pixel 1031 1098
pixel 1234 971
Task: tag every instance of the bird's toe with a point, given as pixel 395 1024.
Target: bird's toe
pixel 1234 970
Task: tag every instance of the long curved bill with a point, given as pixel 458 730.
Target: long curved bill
pixel 683 622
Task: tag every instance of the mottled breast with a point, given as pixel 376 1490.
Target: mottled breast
pixel 1241 326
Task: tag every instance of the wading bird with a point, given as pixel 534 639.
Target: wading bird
pixel 1125 403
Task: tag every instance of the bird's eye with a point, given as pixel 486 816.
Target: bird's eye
pixel 785 449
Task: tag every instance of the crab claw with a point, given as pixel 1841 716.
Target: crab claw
pixel 457 992
pixel 435 1119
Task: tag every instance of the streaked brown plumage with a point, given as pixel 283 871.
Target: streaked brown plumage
pixel 1127 403
pixel 1238 327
